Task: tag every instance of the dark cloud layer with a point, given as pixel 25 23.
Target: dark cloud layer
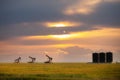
pixel 31 30
pixel 15 12
pixel 105 14
pixel 31 11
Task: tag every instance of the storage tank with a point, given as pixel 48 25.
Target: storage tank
pixel 109 57
pixel 102 57
pixel 95 57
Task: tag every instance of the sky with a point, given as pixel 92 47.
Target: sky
pixel 67 30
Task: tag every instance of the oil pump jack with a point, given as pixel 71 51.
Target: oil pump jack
pixel 49 59
pixel 17 60
pixel 32 59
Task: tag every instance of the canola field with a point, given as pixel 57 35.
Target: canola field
pixel 59 71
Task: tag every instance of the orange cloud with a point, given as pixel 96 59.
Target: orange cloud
pixel 82 7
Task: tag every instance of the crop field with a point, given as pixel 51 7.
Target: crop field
pixel 59 71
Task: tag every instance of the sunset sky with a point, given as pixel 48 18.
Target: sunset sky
pixel 67 30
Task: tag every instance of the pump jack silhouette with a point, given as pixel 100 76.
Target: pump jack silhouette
pixel 17 60
pixel 49 59
pixel 32 59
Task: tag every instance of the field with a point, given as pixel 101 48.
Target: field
pixel 59 71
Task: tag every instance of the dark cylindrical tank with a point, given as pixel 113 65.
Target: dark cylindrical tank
pixel 95 57
pixel 102 57
pixel 109 57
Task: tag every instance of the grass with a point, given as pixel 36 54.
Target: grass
pixel 59 71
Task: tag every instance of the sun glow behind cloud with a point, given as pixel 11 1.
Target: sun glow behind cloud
pixel 62 24
pixel 64 36
pixel 76 35
pixel 59 25
pixel 51 37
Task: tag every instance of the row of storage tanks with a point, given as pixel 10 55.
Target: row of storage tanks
pixel 102 57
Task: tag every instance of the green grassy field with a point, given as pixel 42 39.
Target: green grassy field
pixel 59 71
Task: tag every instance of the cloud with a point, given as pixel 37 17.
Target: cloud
pixel 101 12
pixel 94 38
pixel 111 0
pixel 31 11
pixel 22 26
pixel 31 29
pixel 107 13
pixel 81 7
pixel 76 54
pixel 21 18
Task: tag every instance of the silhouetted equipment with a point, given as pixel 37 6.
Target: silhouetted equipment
pixel 32 59
pixel 95 57
pixel 102 57
pixel 18 60
pixel 49 59
pixel 109 57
